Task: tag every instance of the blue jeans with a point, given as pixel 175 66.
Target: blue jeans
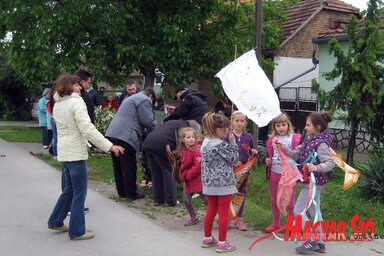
pixel 72 198
pixel 54 137
pixel 45 136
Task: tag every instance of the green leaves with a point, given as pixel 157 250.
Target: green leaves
pixel 360 68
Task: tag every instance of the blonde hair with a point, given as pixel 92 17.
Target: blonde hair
pixel 181 135
pixel 212 120
pixel 282 118
pixel 238 113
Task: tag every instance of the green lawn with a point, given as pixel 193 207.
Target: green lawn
pixel 336 204
pixel 20 134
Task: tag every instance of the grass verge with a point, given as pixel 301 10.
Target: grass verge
pixel 20 134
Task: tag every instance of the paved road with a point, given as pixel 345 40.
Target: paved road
pixel 29 188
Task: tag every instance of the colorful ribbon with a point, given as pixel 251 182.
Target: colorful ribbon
pixel 311 199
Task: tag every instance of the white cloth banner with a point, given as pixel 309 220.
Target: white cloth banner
pixel 247 86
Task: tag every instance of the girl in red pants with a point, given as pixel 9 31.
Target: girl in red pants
pixel 219 183
pixel 282 130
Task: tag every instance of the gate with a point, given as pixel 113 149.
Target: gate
pixel 298 102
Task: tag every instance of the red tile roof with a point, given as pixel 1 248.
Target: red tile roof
pixel 300 14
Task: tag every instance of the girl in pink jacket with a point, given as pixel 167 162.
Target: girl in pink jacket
pixel 281 128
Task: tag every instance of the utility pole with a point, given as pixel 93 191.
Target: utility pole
pixel 258 21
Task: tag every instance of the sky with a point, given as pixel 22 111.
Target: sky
pixel 362 4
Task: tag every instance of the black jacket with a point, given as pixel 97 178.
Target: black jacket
pixel 193 107
pixel 89 104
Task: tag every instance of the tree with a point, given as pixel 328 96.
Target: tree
pixel 185 39
pixel 360 93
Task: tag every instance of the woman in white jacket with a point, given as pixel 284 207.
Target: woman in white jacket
pixel 74 130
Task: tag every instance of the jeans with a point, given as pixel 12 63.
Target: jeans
pixel 54 137
pixel 72 198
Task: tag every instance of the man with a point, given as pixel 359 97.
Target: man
pixel 131 89
pixel 134 116
pixel 193 105
pixel 85 81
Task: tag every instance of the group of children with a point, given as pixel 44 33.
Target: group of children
pixel 208 170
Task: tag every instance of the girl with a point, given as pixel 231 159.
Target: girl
pixel 282 130
pixel 190 170
pixel 318 140
pixel 239 122
pixel 74 129
pixel 219 182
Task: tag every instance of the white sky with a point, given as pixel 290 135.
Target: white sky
pixel 362 4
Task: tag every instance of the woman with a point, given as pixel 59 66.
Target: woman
pixel 74 129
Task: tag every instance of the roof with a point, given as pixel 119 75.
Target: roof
pixel 304 11
pixel 341 33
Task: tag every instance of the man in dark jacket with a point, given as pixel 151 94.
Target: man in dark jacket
pixel 85 81
pixel 193 105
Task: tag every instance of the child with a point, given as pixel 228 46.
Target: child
pixel 219 183
pixel 238 124
pixel 190 170
pixel 318 140
pixel 282 130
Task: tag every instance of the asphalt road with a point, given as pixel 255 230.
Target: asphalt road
pixel 29 189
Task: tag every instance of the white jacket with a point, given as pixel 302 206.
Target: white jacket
pixel 74 129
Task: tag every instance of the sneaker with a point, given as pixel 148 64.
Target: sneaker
pixel 308 246
pixel 63 228
pixel 321 248
pixel 209 242
pixel 192 221
pixel 225 247
pixel 240 225
pixel 87 235
pixel 45 146
pixel 272 228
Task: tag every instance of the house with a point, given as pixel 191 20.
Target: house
pixel 304 21
pixel 326 64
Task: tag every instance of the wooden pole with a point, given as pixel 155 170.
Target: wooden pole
pixel 258 23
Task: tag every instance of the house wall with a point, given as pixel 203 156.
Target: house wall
pixel 327 64
pixel 296 55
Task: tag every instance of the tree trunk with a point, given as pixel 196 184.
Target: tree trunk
pixel 149 76
pixel 352 142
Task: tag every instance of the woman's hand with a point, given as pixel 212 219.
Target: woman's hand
pixel 268 161
pixel 312 168
pixel 117 150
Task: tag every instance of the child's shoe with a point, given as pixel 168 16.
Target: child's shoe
pixel 272 228
pixel 321 247
pixel 308 246
pixel 240 225
pixel 225 247
pixel 192 221
pixel 209 242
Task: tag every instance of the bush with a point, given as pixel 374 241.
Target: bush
pixel 103 118
pixel 372 176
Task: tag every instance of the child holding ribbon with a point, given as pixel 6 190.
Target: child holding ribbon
pixel 318 143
